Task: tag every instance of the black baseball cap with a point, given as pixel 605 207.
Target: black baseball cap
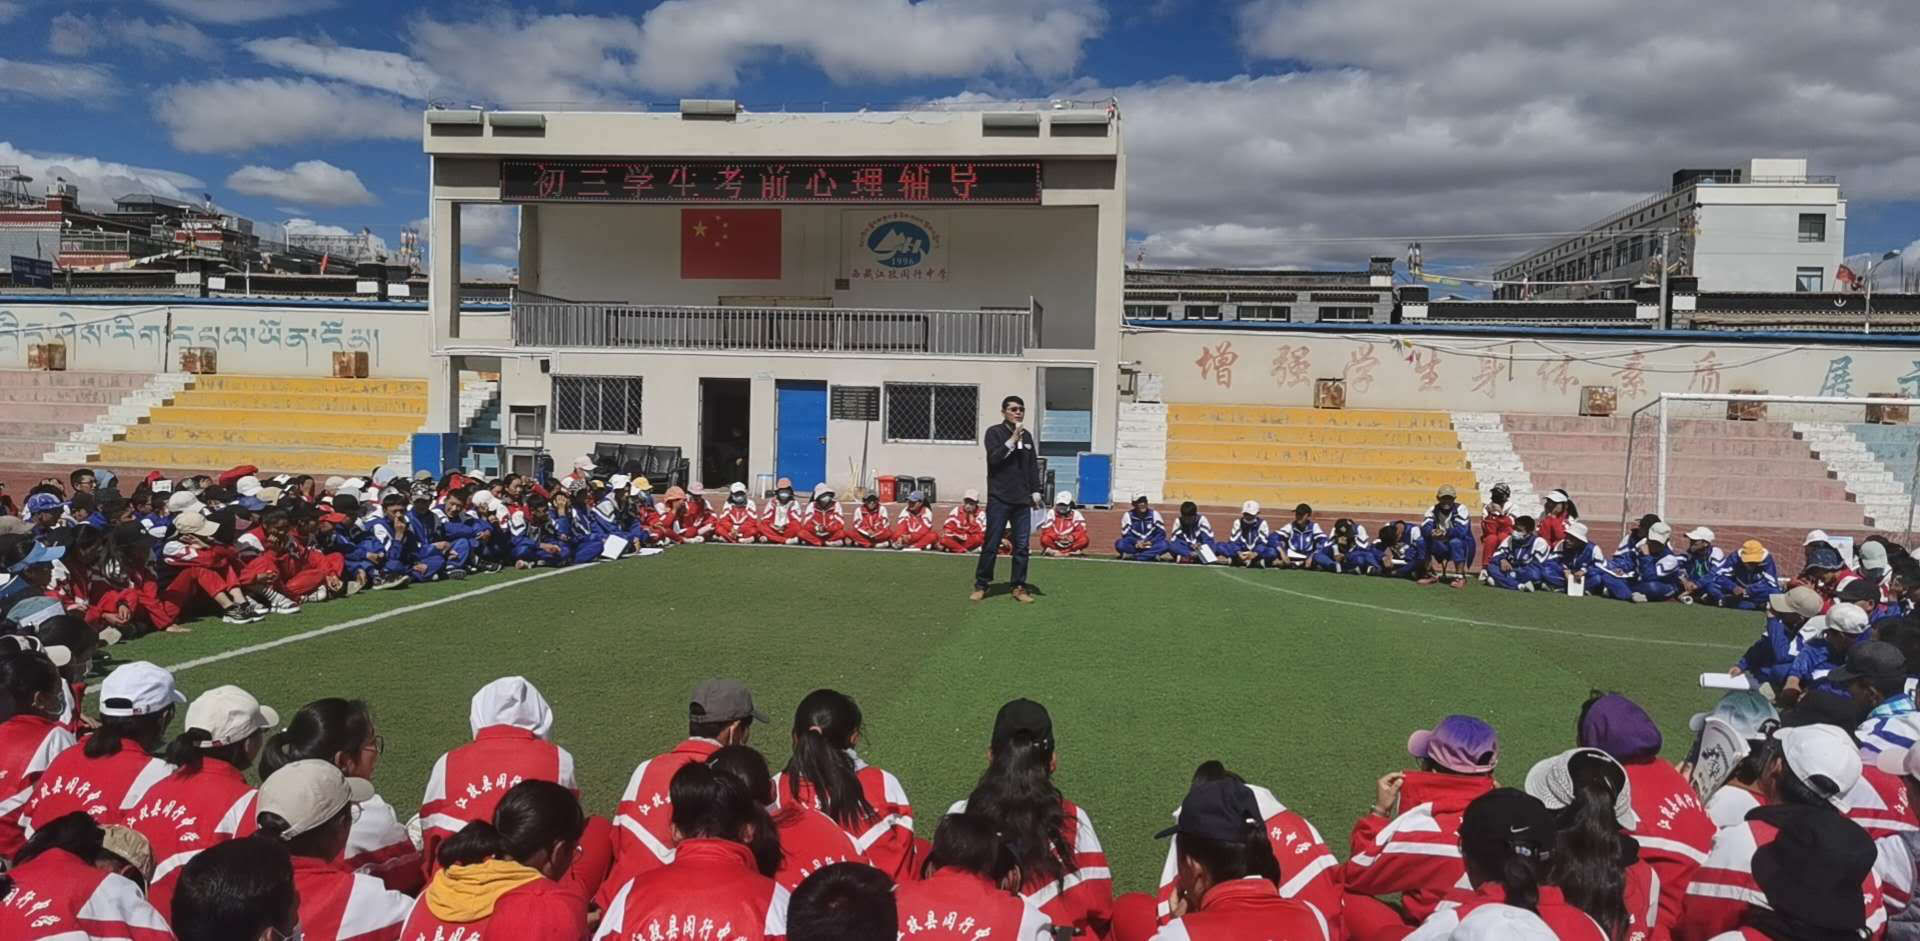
pixel 1859 589
pixel 1023 717
pixel 723 700
pixel 1221 809
pixel 1813 869
pixel 1509 817
pixel 1875 660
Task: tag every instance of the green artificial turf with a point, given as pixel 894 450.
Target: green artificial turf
pixel 1308 684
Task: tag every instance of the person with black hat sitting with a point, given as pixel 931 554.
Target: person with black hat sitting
pixel 1227 880
pixel 1811 875
pixel 1506 838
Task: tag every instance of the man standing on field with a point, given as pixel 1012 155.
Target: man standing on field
pixel 1013 488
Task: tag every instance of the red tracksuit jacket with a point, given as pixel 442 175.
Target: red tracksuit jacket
pixel 643 823
pixel 101 904
pixel 1879 803
pixel 709 883
pixel 1083 897
pixel 1723 888
pixel 885 838
pixel 378 845
pixel 1246 910
pixel 1568 923
pixel 1064 533
pixel 736 523
pixel 780 522
pixel 809 841
pixel 466 784
pixel 963 527
pixel 106 788
pixel 915 528
pixel 870 526
pixel 337 904
pixel 1675 832
pixel 1308 870
pixel 28 745
pixel 540 909
pixel 821 526
pixel 695 519
pixel 1417 853
pixel 184 814
pixel 957 905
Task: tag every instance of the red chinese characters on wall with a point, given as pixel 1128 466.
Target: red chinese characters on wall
pixel 1216 363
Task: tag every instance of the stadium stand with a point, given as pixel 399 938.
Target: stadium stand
pixel 1387 461
pixel 39 409
pixel 305 425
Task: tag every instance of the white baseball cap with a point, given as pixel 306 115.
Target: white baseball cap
pixel 1502 923
pixel 1818 535
pixel 193 522
pixel 1700 533
pixel 308 793
pixel 1824 758
pixel 1577 530
pixel 248 486
pixel 973 495
pixel 333 483
pixel 1251 508
pixel 355 484
pixel 1063 498
pixel 583 462
pixel 1847 619
pixel 1551 781
pixel 59 654
pixel 1660 532
pixel 139 688
pixel 736 487
pixel 619 482
pixel 1557 496
pixel 184 500
pixel 229 714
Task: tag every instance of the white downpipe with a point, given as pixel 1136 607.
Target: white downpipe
pixel 1660 489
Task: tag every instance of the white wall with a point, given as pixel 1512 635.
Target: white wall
pixel 1481 373
pixel 671 414
pixel 263 339
pixel 996 256
pixel 1757 247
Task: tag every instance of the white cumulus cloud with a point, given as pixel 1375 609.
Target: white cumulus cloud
pixel 227 115
pixel 228 12
pixel 100 182
pixel 373 68
pixel 307 183
pixel 73 34
pixel 60 81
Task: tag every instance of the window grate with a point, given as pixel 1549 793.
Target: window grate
pixel 597 403
pixel 929 412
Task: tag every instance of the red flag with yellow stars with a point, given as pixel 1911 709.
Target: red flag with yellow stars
pixel 730 243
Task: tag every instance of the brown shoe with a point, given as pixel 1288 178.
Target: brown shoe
pixel 977 595
pixel 1022 595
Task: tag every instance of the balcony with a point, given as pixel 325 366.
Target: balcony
pixel 553 323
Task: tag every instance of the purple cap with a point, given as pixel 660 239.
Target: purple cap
pixel 1618 726
pixel 1459 743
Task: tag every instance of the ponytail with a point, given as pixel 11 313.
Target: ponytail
pixel 967 841
pixel 748 769
pixel 322 730
pixel 1227 860
pixel 1590 856
pixel 1016 794
pixel 317 843
pixel 476 843
pixel 532 816
pixel 115 732
pixel 823 728
pixel 77 833
pixel 1520 876
pixel 190 748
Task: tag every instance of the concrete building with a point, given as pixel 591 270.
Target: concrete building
pixel 1264 295
pixel 1766 227
pixel 790 295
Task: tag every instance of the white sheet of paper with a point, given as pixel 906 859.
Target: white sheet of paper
pixel 1576 586
pixel 1208 556
pixel 1723 681
pixel 615 545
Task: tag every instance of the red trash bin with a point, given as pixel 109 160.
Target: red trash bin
pixel 886 489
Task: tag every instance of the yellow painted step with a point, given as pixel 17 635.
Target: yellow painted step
pixel 271 418
pixel 130 454
pixel 1322 417
pixel 1307 434
pixel 305 401
pixel 1323 473
pixel 1314 454
pixel 1410 502
pixel 311 384
pixel 291 437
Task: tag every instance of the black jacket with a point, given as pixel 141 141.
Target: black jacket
pixel 1013 474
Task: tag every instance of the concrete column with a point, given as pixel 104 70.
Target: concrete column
pixel 443 304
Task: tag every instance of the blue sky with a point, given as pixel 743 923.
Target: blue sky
pixel 1257 131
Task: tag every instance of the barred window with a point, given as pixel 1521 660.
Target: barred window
pixel 1264 312
pixel 1346 314
pixel 597 403
pixel 1201 312
pixel 1147 312
pixel 921 411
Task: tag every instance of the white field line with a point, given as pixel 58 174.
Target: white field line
pixel 360 622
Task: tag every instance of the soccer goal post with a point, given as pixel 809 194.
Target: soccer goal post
pixel 1742 457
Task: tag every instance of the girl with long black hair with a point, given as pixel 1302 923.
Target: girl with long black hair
pixel 1506 838
pixel 827 773
pixel 971 870
pixel 342 732
pixel 67 868
pixel 794 840
pixel 502 878
pixel 1227 882
pixel 112 770
pixel 1594 861
pixel 1064 870
pixel 31 736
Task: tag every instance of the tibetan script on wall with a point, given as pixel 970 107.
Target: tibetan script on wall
pixel 676 181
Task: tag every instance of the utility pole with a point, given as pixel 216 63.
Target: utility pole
pixel 1666 305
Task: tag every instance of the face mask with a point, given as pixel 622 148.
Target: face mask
pixel 738 499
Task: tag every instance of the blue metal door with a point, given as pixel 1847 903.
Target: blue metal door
pixel 800 433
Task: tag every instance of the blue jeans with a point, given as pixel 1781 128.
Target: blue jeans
pixel 1001 516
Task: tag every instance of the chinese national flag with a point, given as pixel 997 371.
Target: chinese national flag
pixel 730 243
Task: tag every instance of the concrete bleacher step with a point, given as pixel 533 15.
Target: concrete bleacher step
pixel 313 385
pixel 1312 435
pixel 281 418
pixel 11 379
pixel 346 438
pixel 28 427
pixel 1317 455
pixel 1707 427
pixel 75 395
pixel 1430 478
pixel 1297 416
pixel 1554 465
pixel 24 449
pixel 277 458
pixel 1531 443
pixel 1323 497
pixel 303 401
pixel 1709 485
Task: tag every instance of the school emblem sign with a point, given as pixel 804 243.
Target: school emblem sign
pixel 897 246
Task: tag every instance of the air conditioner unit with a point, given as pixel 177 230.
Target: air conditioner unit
pixel 528 423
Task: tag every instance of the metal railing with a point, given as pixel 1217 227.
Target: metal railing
pixel 774 329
